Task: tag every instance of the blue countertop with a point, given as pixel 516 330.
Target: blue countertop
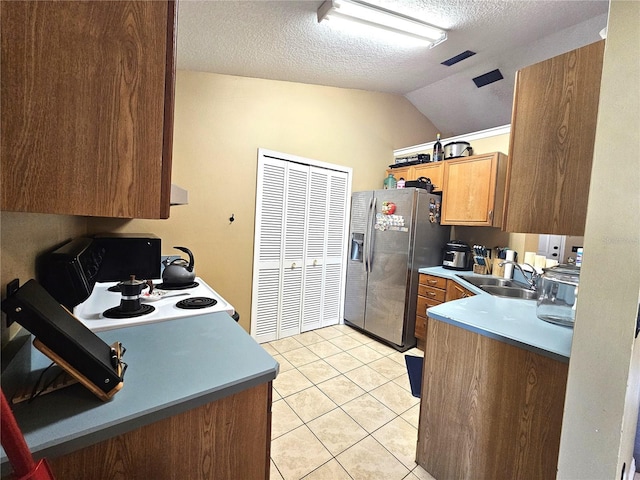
pixel 173 367
pixel 510 320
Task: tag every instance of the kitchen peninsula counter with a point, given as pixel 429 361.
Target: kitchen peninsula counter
pixel 196 403
pixel 493 387
pixel 509 320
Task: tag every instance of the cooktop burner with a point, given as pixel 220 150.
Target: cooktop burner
pixel 164 286
pixel 196 302
pixel 117 312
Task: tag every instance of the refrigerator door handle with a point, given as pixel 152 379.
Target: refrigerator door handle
pixel 366 238
pixel 371 223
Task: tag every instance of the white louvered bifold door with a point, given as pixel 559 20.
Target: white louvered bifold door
pixel 293 252
pixel 298 271
pixel 315 251
pixel 265 305
pixel 335 248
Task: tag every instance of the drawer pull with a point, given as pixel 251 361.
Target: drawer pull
pixel 431 294
pixel 432 282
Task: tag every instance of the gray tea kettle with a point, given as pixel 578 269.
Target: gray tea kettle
pixel 178 272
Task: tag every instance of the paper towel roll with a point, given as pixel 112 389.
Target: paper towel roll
pixel 508 268
pixel 530 258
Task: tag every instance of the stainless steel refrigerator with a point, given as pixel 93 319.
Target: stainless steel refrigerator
pixel 392 234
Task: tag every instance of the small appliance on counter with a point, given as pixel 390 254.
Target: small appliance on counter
pixel 456 255
pixel 422 182
pixel 411 160
pixel 457 149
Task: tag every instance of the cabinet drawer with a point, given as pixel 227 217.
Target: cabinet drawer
pixel 421 327
pixel 432 281
pixel 423 303
pixel 431 292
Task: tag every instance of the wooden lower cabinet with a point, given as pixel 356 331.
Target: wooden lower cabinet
pixel 432 291
pixel 489 410
pixel 225 440
pixel 456 291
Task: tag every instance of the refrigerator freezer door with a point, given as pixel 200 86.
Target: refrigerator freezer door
pixel 391 248
pixel 356 284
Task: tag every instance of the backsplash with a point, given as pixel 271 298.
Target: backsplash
pixel 24 236
pixel 494 237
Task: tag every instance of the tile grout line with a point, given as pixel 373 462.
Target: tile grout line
pixel 386 355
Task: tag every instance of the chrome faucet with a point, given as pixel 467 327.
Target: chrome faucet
pixel 533 281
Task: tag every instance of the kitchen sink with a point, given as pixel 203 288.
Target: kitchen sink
pixel 510 292
pixel 492 281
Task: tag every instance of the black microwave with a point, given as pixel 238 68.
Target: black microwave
pixel 126 254
pixel 70 272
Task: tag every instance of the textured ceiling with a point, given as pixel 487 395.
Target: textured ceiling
pixel 282 40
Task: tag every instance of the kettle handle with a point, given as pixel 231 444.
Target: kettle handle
pixel 188 252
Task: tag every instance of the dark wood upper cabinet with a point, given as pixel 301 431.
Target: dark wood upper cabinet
pixel 87 107
pixel 551 144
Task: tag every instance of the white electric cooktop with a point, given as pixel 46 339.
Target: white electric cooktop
pixel 90 312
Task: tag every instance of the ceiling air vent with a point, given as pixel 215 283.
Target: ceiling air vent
pixel 458 58
pixel 488 78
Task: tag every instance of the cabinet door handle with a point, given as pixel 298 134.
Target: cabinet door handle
pixel 491 215
pixel 293 265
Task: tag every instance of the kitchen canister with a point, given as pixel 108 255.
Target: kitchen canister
pixel 558 294
pixel 389 182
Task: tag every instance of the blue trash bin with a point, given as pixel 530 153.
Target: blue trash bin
pixel 414 369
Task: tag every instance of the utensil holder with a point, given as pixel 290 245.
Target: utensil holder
pixel 498 271
pixel 480 269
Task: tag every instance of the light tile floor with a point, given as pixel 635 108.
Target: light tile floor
pixel 342 409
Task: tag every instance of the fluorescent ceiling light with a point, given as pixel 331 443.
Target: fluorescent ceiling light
pixel 361 12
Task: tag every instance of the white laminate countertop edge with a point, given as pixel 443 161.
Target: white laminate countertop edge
pixel 511 320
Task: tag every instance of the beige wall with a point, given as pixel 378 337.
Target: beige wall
pixel 24 236
pixel 221 121
pixel 604 372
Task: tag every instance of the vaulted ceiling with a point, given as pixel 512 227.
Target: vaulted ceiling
pixel 282 40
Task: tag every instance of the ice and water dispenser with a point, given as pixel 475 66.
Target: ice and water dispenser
pixel 357 246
